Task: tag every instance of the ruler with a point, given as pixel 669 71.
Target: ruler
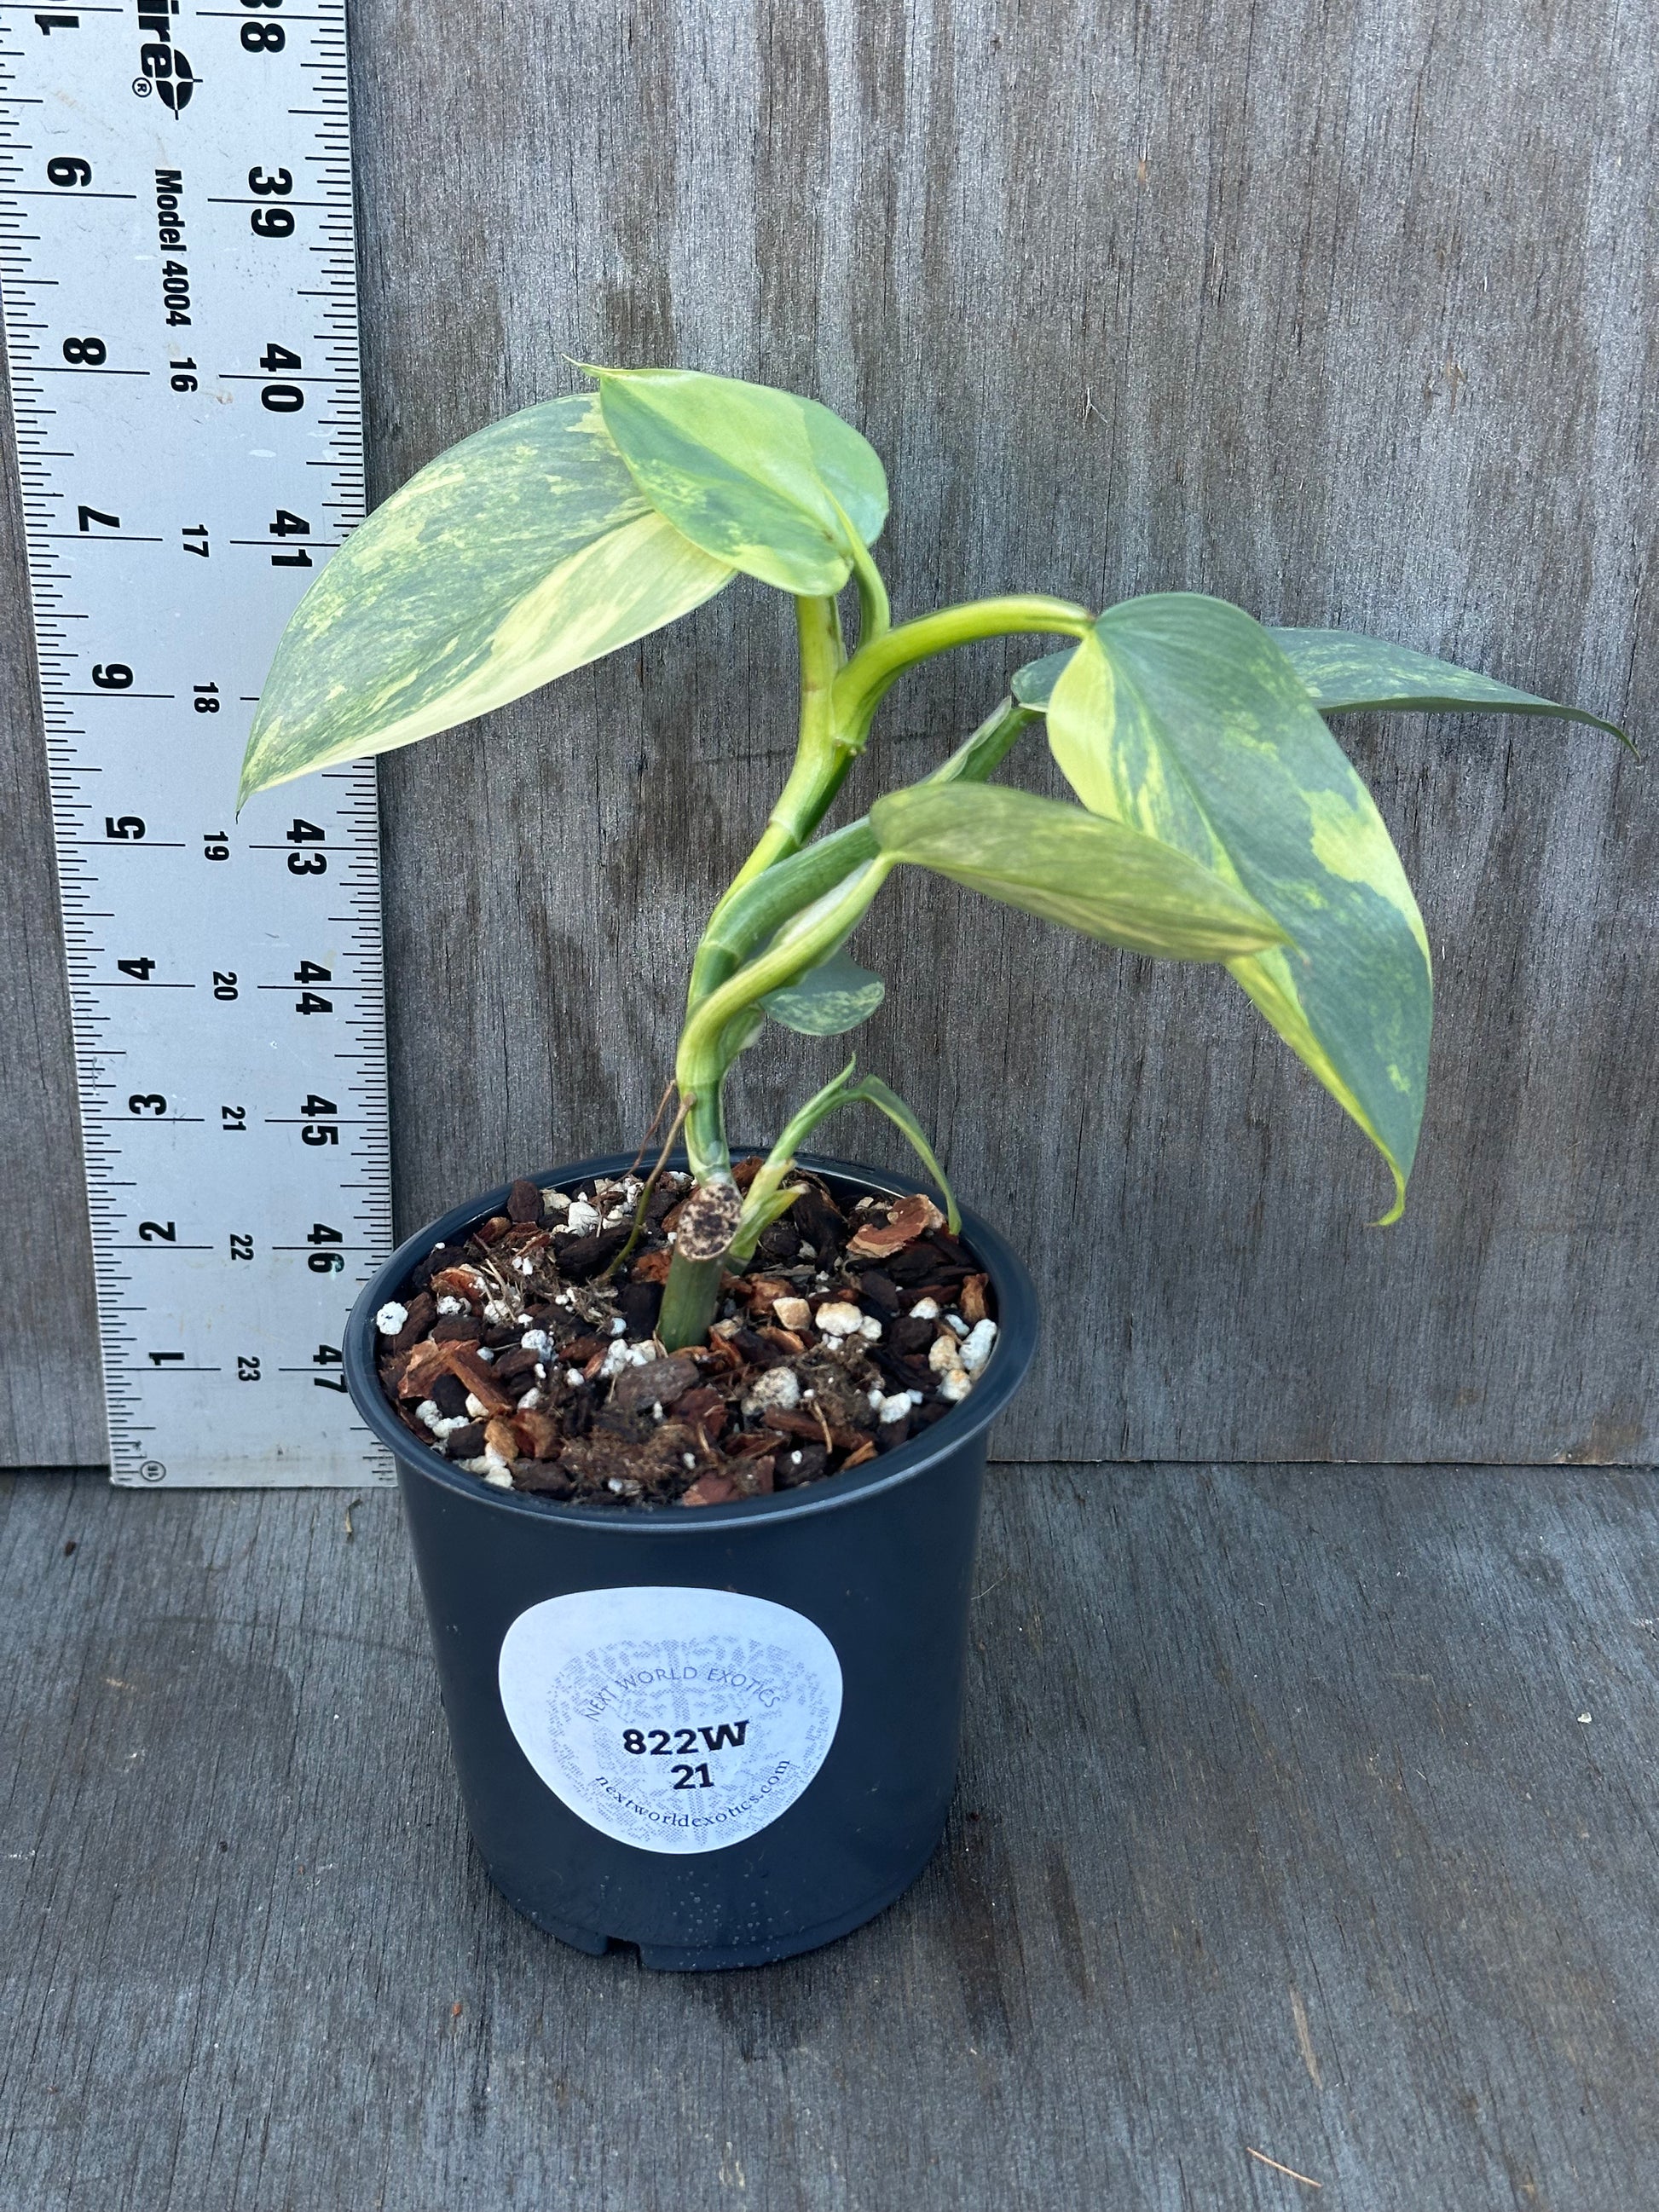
pixel 178 267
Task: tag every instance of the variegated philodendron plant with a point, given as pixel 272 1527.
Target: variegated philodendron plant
pixel 1219 820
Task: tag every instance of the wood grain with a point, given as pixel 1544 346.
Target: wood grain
pixel 1279 1831
pixel 1343 311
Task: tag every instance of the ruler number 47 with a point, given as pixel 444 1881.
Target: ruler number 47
pixel 327 1355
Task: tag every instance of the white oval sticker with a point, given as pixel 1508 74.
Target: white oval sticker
pixel 676 1720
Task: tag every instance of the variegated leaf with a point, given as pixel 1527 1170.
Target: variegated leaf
pixel 758 478
pixel 828 999
pixel 517 556
pixel 1345 673
pixel 1033 685
pixel 1181 717
pixel 1072 867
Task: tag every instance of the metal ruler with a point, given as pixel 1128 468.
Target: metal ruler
pixel 177 261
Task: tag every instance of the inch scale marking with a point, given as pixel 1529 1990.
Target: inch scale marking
pixel 177 263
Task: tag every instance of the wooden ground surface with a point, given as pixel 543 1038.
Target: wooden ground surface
pixel 1301 1814
pixel 1342 308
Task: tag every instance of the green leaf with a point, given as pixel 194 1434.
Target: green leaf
pixel 518 555
pixel 768 483
pixel 1345 673
pixel 1072 867
pixel 1181 717
pixel 762 1205
pixel 982 753
pixel 828 999
pixel 1033 685
pixel 874 1092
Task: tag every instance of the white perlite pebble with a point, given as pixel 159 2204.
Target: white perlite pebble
pixel 954 1386
pixel 485 1354
pixel 497 1477
pixel 555 1201
pixel 530 1400
pixel 446 1304
pixel 474 1407
pixel 894 1409
pixel 793 1314
pixel 575 1377
pixel 837 1318
pixel 778 1390
pixel 523 1266
pixel 869 1328
pixel 925 1310
pixel 944 1354
pixel 391 1318
pixel 619 1326
pixel 622 1354
pixel 538 1341
pixel 581 1218
pixel 957 1323
pixel 976 1345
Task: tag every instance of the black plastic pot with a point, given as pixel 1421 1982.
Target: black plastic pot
pixel 725 1734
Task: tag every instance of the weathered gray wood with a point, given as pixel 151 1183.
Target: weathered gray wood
pixel 1343 311
pixel 1280 1830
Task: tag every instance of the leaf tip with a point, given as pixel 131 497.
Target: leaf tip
pixel 1397 1210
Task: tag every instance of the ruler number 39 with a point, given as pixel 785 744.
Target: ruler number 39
pixel 270 222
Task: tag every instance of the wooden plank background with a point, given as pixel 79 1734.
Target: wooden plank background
pixel 1344 309
pixel 1309 1819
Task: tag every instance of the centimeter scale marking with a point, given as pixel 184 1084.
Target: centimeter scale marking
pixel 178 264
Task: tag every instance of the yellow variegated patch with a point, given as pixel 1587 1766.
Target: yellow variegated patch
pixel 518 555
pixel 777 486
pixel 1182 718
pixel 1091 874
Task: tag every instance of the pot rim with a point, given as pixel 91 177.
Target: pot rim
pixel 1016 1332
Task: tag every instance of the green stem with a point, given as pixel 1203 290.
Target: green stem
pixel 820 763
pixel 838 701
pixel 748 915
pixel 876 666
pixel 689 1298
pixel 703 1056
pixel 875 615
pixel 781 1158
